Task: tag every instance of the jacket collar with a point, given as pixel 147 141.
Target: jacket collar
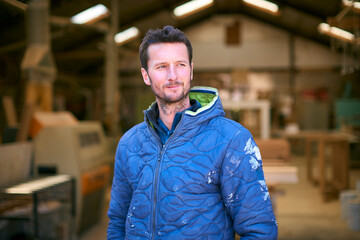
pixel 209 99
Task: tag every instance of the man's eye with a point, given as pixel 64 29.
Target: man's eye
pixel 161 67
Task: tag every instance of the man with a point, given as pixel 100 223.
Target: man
pixel 186 172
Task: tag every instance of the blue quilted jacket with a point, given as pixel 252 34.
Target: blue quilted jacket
pixel 206 182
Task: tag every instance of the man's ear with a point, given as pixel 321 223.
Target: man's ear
pixel 192 72
pixel 145 76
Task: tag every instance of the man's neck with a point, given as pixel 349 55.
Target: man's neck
pixel 167 111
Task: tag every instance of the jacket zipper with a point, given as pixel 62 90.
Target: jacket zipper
pixel 157 175
pixel 155 191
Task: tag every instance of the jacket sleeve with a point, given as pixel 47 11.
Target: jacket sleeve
pixel 121 192
pixel 244 189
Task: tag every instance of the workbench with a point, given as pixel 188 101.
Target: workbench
pixel 26 201
pixel 338 147
pixel 329 151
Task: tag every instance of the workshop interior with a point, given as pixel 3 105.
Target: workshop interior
pixel 71 86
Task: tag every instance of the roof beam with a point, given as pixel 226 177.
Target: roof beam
pixel 17 4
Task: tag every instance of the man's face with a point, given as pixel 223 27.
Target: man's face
pixel 169 71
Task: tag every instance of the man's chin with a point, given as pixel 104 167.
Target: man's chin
pixel 171 97
pixel 174 95
pixel 174 99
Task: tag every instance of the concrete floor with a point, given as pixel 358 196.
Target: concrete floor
pixel 300 212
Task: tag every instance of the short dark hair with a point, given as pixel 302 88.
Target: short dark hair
pixel 168 34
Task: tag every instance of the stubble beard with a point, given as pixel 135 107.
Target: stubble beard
pixel 172 103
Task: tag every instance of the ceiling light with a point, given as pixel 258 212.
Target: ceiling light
pixel 336 32
pixel 126 35
pixel 191 7
pixel 263 5
pixel 348 3
pixel 354 6
pixel 91 15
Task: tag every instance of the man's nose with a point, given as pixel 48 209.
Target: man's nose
pixel 172 74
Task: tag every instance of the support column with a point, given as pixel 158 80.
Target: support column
pixel 292 73
pixel 111 91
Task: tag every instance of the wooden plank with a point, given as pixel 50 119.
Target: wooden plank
pixel 308 153
pixel 274 149
pixel 10 112
pixel 322 173
pixel 280 174
pixel 47 97
pixel 24 126
pixel 340 165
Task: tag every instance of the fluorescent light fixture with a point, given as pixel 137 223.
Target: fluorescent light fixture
pixel 263 5
pixel 191 7
pixel 126 35
pixel 348 3
pixel 36 185
pixel 335 32
pixel 91 15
